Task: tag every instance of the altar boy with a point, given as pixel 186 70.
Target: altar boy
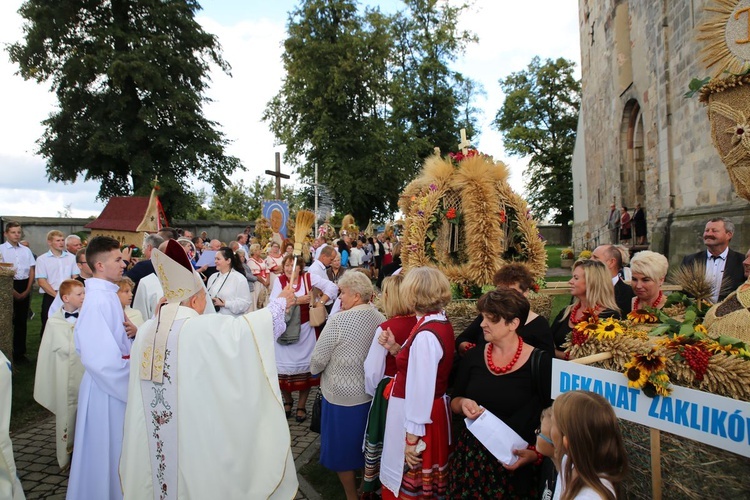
pixel 59 369
pixel 104 348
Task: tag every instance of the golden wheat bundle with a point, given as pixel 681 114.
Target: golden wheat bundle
pixel 302 225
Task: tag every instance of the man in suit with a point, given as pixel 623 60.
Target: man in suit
pixel 611 257
pixel 724 269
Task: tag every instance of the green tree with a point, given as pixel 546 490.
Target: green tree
pixel 429 99
pixel 244 202
pixel 366 97
pixel 538 120
pixel 129 76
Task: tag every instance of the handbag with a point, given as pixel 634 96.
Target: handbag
pixel 317 409
pixel 292 332
pixel 318 315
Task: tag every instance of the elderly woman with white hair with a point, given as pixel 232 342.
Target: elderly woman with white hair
pixel 340 356
pixel 649 270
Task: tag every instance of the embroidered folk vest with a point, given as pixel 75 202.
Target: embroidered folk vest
pixel 443 330
pixel 304 309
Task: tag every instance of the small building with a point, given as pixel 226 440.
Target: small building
pixel 128 218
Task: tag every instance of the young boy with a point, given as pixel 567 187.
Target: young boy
pixel 23 261
pixel 59 369
pixel 52 268
pixel 104 348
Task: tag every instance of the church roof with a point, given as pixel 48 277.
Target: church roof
pixel 122 213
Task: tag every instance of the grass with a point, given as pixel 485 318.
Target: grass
pixel 553 255
pixel 25 411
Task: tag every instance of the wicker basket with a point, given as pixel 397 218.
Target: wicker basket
pixel 728 111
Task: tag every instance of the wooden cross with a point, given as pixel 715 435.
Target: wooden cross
pixel 464 144
pixel 277 173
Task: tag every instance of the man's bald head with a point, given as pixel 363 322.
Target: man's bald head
pixel 610 256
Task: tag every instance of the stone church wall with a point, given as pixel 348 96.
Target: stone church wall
pixel 645 142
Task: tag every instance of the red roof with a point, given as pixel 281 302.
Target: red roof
pixel 122 213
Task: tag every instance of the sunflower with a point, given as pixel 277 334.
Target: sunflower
pixel 642 316
pixel 647 372
pixel 587 327
pixel 636 376
pixel 700 329
pixel 608 329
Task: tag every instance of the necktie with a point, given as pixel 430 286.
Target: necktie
pixel 69 315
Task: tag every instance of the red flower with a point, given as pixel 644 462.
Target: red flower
pixel 450 214
pixel 503 217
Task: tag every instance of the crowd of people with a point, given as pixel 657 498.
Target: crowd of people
pixel 258 328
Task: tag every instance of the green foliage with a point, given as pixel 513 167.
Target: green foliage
pixel 129 78
pixel 538 119
pixel 696 84
pixel 245 202
pixel 367 96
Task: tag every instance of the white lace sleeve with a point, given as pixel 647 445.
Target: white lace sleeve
pixel 277 307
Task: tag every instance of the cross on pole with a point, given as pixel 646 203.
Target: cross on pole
pixel 465 143
pixel 277 173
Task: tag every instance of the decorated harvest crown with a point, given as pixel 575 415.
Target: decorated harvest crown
pixel 462 217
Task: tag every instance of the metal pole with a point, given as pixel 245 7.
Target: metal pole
pixel 316 199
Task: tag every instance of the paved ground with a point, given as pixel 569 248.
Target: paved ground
pixel 34 450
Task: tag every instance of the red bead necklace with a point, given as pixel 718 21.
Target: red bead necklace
pixel 574 312
pixel 509 366
pixel 653 304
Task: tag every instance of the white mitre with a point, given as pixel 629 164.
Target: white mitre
pixel 180 282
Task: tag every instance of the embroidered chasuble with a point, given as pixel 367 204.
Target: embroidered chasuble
pixel 58 376
pixel 214 426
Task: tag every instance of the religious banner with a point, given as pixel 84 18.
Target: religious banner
pixel 277 213
pixel 697 415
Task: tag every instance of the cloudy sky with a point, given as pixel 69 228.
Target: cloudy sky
pixel 251 34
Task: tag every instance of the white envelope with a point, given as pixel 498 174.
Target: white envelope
pixel 496 436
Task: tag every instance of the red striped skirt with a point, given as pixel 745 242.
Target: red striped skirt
pixel 297 382
pixel 431 480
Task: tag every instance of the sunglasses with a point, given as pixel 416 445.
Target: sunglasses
pixel 538 432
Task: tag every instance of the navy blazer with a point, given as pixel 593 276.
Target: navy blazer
pixel 734 271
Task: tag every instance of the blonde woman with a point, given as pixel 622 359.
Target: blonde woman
pixel 417 422
pixel 380 368
pixel 593 293
pixel 649 271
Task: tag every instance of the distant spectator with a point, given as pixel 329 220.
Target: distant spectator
pixel 144 267
pixel 52 268
pixel 24 262
pixel 73 243
pixel 613 224
pixel 639 225
pixel 625 226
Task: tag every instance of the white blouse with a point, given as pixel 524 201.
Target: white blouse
pixel 233 289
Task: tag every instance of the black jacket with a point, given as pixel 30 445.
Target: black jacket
pixel 734 271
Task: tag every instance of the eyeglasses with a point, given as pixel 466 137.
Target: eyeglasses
pixel 82 262
pixel 538 432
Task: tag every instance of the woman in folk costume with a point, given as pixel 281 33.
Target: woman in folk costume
pixel 417 427
pixel 59 370
pixel 293 360
pixel 260 271
pixel 380 368
pixel 274 258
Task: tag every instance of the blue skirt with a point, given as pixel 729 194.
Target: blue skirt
pixel 342 430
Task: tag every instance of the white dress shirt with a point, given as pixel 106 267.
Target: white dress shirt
pixel 715 272
pixel 21 258
pixel 55 269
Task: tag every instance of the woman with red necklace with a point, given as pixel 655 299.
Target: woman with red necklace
pixel 649 270
pixel 500 378
pixel 260 271
pixel 593 294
